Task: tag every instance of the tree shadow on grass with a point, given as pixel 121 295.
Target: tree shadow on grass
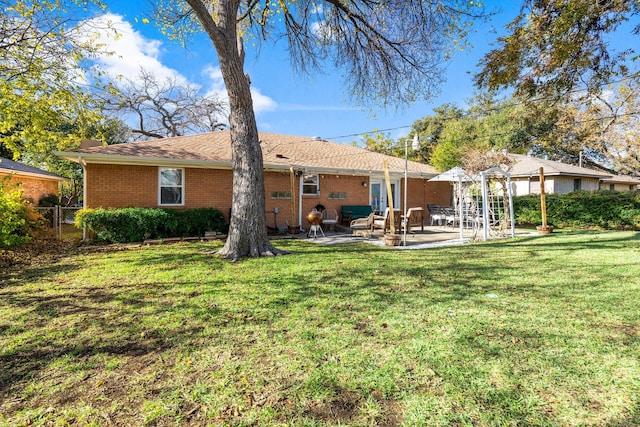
pixel 596 240
pixel 125 317
pixel 631 419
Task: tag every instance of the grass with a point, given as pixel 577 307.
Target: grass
pixel 539 331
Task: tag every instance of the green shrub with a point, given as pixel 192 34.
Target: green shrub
pixel 18 221
pixel 582 209
pixel 49 200
pixel 137 224
pixel 194 222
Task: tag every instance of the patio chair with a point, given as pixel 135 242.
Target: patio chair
pixel 415 218
pixel 435 214
pixel 383 221
pixel 449 216
pixel 329 218
pixel 362 224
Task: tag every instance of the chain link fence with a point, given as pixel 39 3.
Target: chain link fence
pixel 60 220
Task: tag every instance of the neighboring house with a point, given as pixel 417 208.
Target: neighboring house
pixel 195 171
pixel 558 177
pixel 620 183
pixel 35 182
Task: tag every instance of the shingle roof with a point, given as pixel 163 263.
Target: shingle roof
pixel 18 168
pixel 622 179
pixel 279 152
pixel 530 166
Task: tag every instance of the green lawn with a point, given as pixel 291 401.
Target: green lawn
pixel 534 331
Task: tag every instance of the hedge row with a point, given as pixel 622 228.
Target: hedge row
pixel 582 209
pixel 137 224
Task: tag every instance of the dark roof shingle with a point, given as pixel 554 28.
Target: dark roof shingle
pixel 20 168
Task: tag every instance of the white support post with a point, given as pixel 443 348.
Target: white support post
pixel 513 219
pixel 461 207
pixel 485 208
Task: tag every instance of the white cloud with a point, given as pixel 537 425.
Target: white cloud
pixel 125 50
pixel 262 103
pixel 215 86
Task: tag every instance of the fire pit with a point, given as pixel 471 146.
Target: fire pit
pixel 315 219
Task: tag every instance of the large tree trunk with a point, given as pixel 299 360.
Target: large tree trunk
pixel 248 224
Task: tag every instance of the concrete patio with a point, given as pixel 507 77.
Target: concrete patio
pixel 431 236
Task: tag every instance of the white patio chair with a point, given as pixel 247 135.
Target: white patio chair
pixel 329 218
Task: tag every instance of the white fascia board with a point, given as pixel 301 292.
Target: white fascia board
pixel 92 158
pixel 33 174
pixel 555 173
pixel 107 159
pixel 350 172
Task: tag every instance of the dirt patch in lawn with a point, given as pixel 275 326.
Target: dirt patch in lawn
pixel 43 251
pixel 346 407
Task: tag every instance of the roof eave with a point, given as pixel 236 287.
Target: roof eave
pixel 556 173
pixel 111 159
pixel 210 164
pixel 33 174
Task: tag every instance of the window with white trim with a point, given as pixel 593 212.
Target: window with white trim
pixel 310 185
pixel 171 187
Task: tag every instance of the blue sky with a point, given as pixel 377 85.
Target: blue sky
pixel 285 102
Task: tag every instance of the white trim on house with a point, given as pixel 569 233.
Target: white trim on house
pixel 182 186
pixel 108 159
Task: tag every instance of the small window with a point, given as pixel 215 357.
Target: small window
pixel 577 184
pixel 310 185
pixel 281 194
pixel 612 187
pixel 171 191
pixel 337 195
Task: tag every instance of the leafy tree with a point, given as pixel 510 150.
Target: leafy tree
pixel 556 46
pixel 391 52
pixel 381 142
pixel 558 58
pixel 456 137
pixel 489 124
pixel 41 50
pixel 166 108
pixel 430 128
pixel 112 131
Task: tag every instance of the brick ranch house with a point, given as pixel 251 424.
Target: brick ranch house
pixel 195 171
pixel 34 182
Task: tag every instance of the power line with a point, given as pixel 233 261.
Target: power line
pixel 490 110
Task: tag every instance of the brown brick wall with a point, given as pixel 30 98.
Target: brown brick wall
pixel 121 186
pixel 34 188
pixel 421 192
pixel 117 186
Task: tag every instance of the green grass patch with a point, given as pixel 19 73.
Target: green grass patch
pixel 536 331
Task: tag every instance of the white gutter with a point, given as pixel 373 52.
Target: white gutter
pixel 300 180
pixel 33 174
pixel 140 161
pixel 216 164
pixel 84 193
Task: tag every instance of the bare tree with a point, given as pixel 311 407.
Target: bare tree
pixel 391 52
pixel 606 126
pixel 167 107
